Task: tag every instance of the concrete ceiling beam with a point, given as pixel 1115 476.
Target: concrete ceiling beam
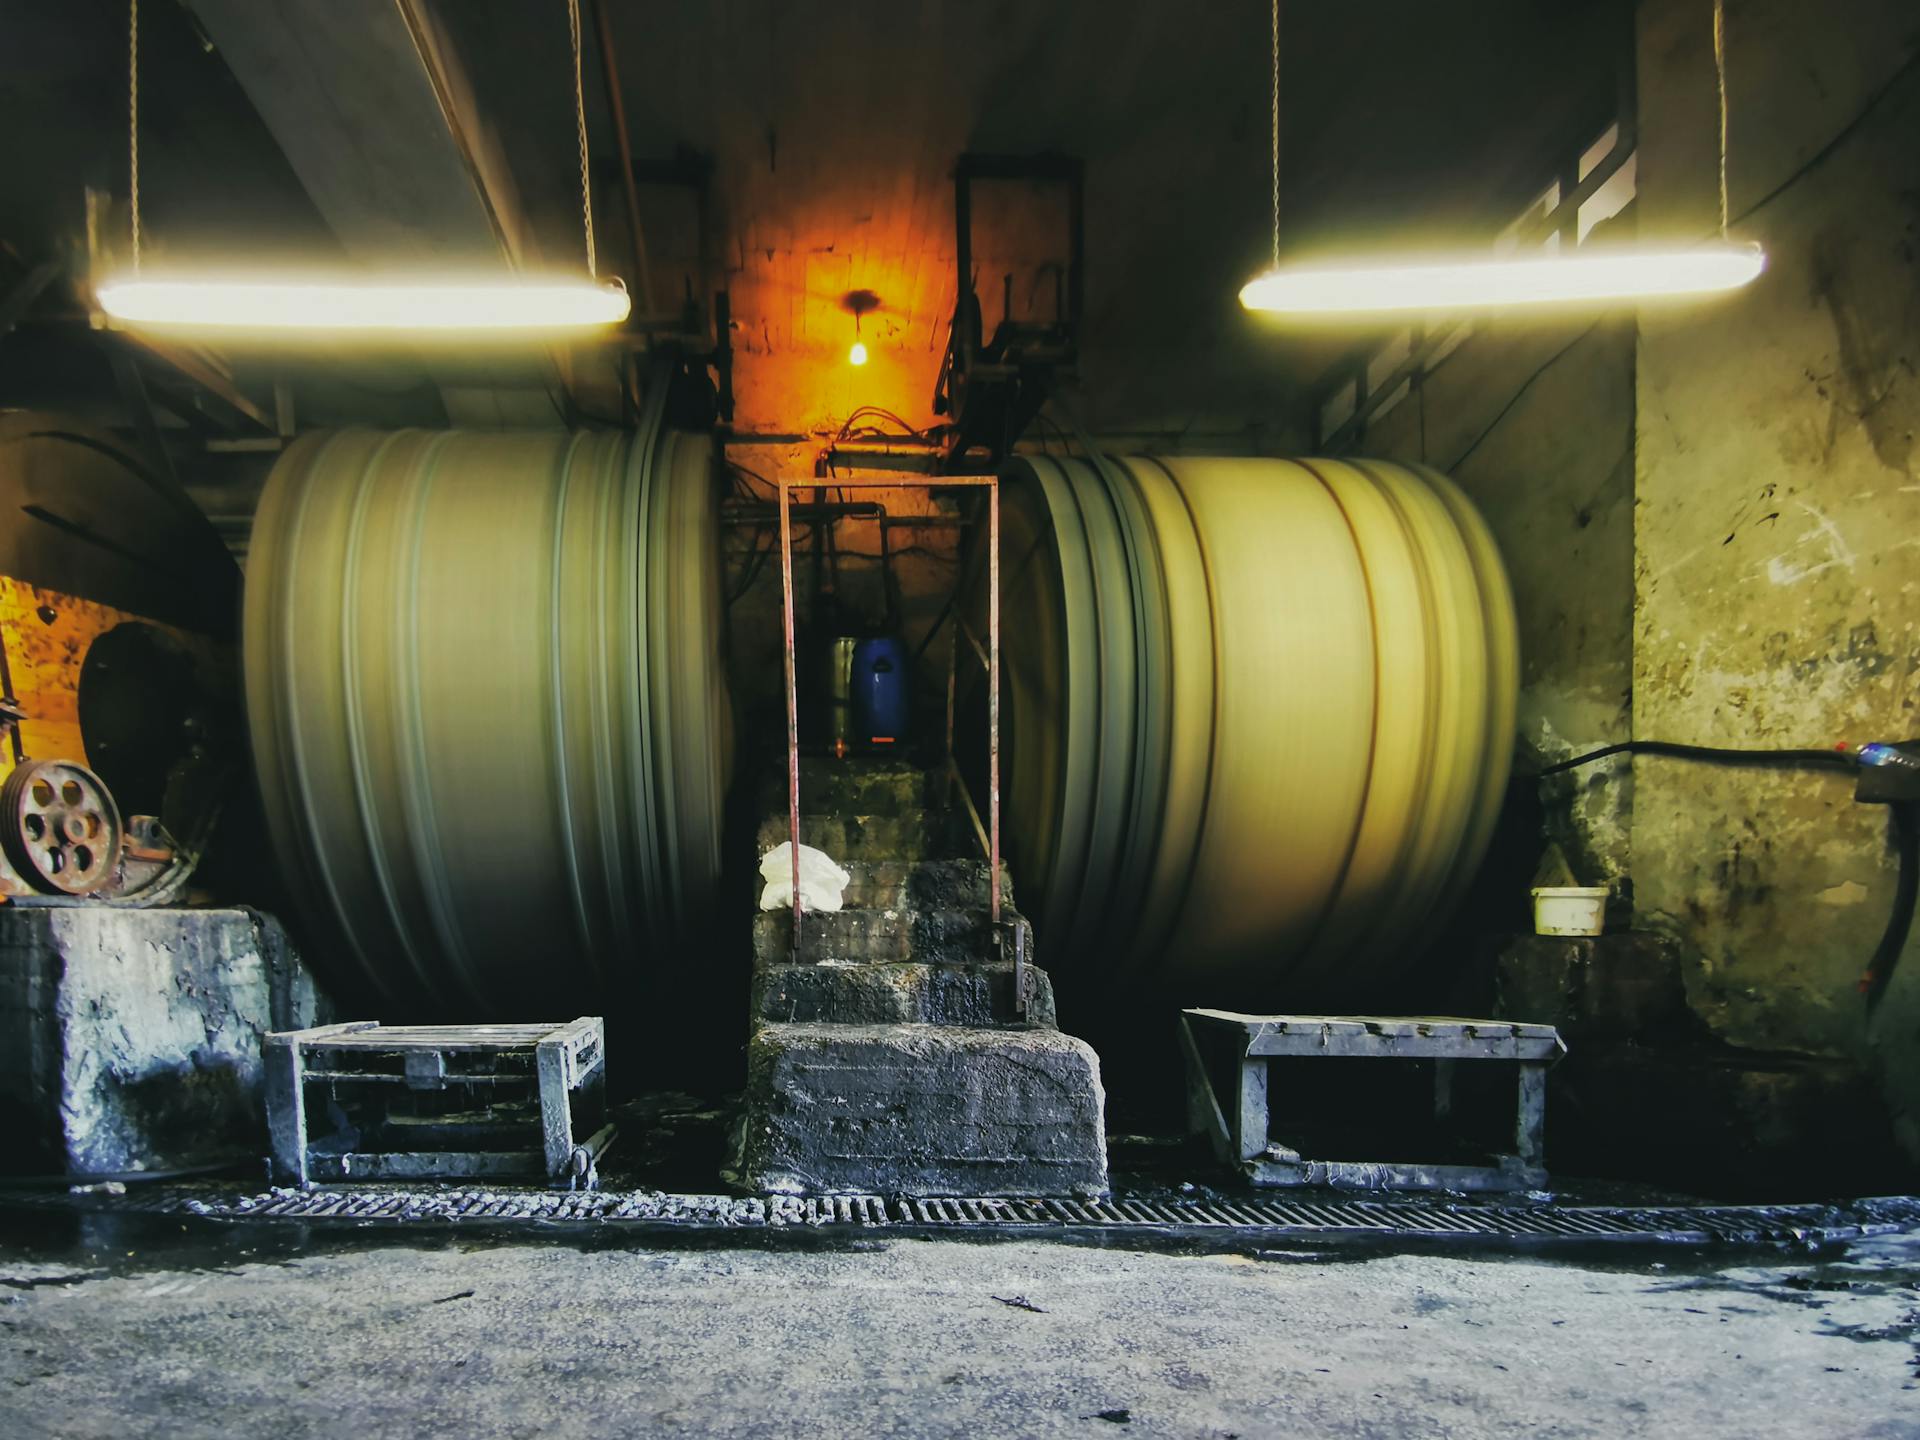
pixel 377 117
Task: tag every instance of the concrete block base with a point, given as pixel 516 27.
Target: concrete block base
pixel 131 1039
pixel 922 1110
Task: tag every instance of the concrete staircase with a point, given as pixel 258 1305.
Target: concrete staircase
pixel 890 1052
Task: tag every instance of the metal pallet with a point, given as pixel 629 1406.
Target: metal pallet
pixel 528 1082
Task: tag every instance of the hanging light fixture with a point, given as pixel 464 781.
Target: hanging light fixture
pixel 1479 284
pixel 1430 284
pixel 233 303
pixel 393 304
pixel 858 303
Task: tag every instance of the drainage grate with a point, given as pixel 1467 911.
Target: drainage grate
pixel 1238 1217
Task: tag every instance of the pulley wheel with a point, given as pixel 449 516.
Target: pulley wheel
pixel 61 828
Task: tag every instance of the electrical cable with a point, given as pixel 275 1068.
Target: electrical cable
pixel 1715 754
pixel 751 567
pixel 1840 137
pixel 1893 940
pixel 1906 826
pixel 942 557
pixel 906 431
pixel 1520 394
pixel 742 473
pixel 758 556
pixel 1060 433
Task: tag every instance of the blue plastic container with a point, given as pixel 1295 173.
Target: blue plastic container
pixel 879 691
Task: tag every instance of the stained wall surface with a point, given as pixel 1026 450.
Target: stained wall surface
pixel 1777 517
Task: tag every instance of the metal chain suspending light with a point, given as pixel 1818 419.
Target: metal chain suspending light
pixel 1276 134
pixel 1720 92
pixel 133 124
pixel 580 127
pixel 401 302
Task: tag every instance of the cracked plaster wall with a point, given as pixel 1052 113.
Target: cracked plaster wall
pixel 1777 517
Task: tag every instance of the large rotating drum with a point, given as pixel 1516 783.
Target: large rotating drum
pixel 487 705
pixel 1257 718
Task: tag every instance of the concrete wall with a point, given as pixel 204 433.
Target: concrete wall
pixel 1709 514
pixel 131 1039
pixel 1777 588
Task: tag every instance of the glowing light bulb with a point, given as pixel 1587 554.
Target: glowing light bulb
pixel 858 354
pixel 1482 284
pixel 389 306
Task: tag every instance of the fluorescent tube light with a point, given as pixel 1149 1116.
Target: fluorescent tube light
pixel 389 307
pixel 1428 286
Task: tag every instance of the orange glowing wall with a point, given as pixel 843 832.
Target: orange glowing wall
pixel 790 277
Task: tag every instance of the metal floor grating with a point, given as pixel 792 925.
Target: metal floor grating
pixel 1375 1219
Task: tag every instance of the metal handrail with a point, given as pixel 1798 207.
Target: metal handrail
pixel 989 656
pixel 974 640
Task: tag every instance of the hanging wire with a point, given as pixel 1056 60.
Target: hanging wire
pixel 580 124
pixel 1720 86
pixel 133 123
pixel 1276 134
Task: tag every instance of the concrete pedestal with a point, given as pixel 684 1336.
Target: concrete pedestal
pixel 923 1110
pixel 131 1039
pixel 893 1048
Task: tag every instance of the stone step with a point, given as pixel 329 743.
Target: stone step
pixel 914 835
pixel 921 1110
pixel 931 937
pixel 922 885
pixel 899 993
pixel 851 787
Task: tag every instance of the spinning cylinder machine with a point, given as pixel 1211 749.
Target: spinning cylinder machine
pixel 489 709
pixel 1256 720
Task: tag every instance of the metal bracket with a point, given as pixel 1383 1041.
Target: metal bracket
pixel 994 387
pixel 583 1165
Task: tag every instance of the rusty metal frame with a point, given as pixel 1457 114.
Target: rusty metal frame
pixel 989 657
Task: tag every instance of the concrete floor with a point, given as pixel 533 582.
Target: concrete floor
pixel 116 1328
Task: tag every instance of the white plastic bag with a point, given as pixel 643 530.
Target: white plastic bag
pixel 822 882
